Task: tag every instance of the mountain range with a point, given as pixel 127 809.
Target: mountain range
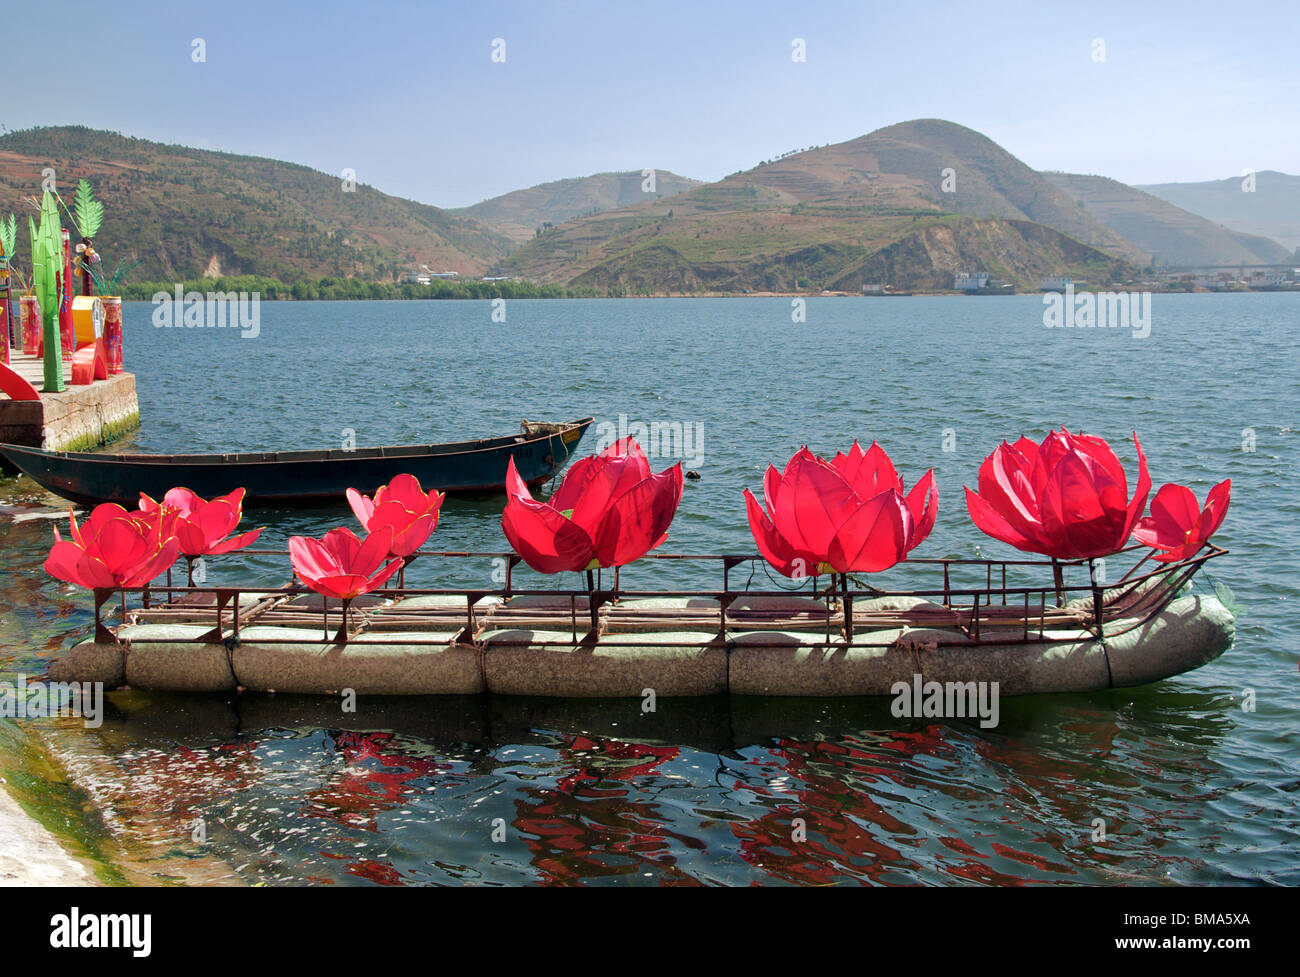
pixel 184 212
pixel 1268 205
pixel 908 205
pixel 1170 235
pixel 521 214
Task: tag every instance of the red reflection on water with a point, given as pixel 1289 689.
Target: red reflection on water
pixel 589 826
pixel 375 777
pixel 381 873
pixel 834 836
pixel 984 874
pixel 182 782
pixel 650 758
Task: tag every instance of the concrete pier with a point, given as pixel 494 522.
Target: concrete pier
pixel 75 419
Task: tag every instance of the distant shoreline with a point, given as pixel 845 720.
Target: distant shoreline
pixel 524 294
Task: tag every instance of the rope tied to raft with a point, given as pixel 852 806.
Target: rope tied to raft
pixel 550 486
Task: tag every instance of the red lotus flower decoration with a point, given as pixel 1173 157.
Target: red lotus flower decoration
pixel 112 548
pixel 403 506
pixel 608 511
pixel 201 528
pixel 1066 498
pixel 849 515
pixel 1178 525
pixel 341 565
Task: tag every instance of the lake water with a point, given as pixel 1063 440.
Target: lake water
pixel 1188 786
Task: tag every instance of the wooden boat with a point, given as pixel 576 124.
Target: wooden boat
pixel 540 451
pixel 617 642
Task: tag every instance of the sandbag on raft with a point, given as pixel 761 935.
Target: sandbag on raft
pixel 166 659
pixel 1189 632
pixel 684 664
pixel 397 666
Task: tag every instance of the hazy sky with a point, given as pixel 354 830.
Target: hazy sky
pixel 407 94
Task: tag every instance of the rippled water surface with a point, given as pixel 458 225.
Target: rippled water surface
pixel 1187 786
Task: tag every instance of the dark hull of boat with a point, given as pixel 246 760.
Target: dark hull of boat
pixel 289 477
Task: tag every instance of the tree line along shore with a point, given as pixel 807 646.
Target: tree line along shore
pixel 334 289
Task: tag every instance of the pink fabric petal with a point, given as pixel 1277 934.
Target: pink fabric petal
pixel 772 482
pixel 923 503
pixel 236 542
pixel 517 488
pixel 1006 484
pixel 1174 511
pixel 575 481
pixel 342 545
pixel 216 520
pixel 770 543
pixel 342 586
pixel 547 542
pixel 310 558
pixel 1139 503
pixel 873 537
pixel 413 535
pixel 185 502
pixel 373 551
pixel 991 522
pixel 383 576
pixel 362 507
pixel 235 500
pixel 406 489
pixel 70 563
pixel 638 520
pixel 153 566
pixel 814 501
pixel 618 469
pixel 1216 508
pixel 190 536
pixel 1074 519
pixel 869 472
pixel 121 546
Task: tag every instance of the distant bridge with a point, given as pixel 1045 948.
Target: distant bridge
pixel 1184 269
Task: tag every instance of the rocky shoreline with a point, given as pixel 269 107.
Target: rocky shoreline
pixel 30 854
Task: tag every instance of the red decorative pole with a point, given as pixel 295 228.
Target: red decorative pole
pixel 67 336
pixel 87 256
pixel 29 306
pixel 113 333
pixel 6 329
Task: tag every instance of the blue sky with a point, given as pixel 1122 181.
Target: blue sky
pixel 408 96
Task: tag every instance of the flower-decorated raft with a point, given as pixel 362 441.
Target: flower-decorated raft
pixel 343 624
pixel 531 642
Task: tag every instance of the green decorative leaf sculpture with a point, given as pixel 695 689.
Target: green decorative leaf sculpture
pixel 90 212
pixel 9 235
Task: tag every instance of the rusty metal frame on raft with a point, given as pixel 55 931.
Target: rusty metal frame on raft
pixel 1126 600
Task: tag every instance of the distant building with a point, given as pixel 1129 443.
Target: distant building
pixel 1055 283
pixel 872 288
pixel 1267 279
pixel 979 283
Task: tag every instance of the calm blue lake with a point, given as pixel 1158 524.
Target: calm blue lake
pixel 1190 787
